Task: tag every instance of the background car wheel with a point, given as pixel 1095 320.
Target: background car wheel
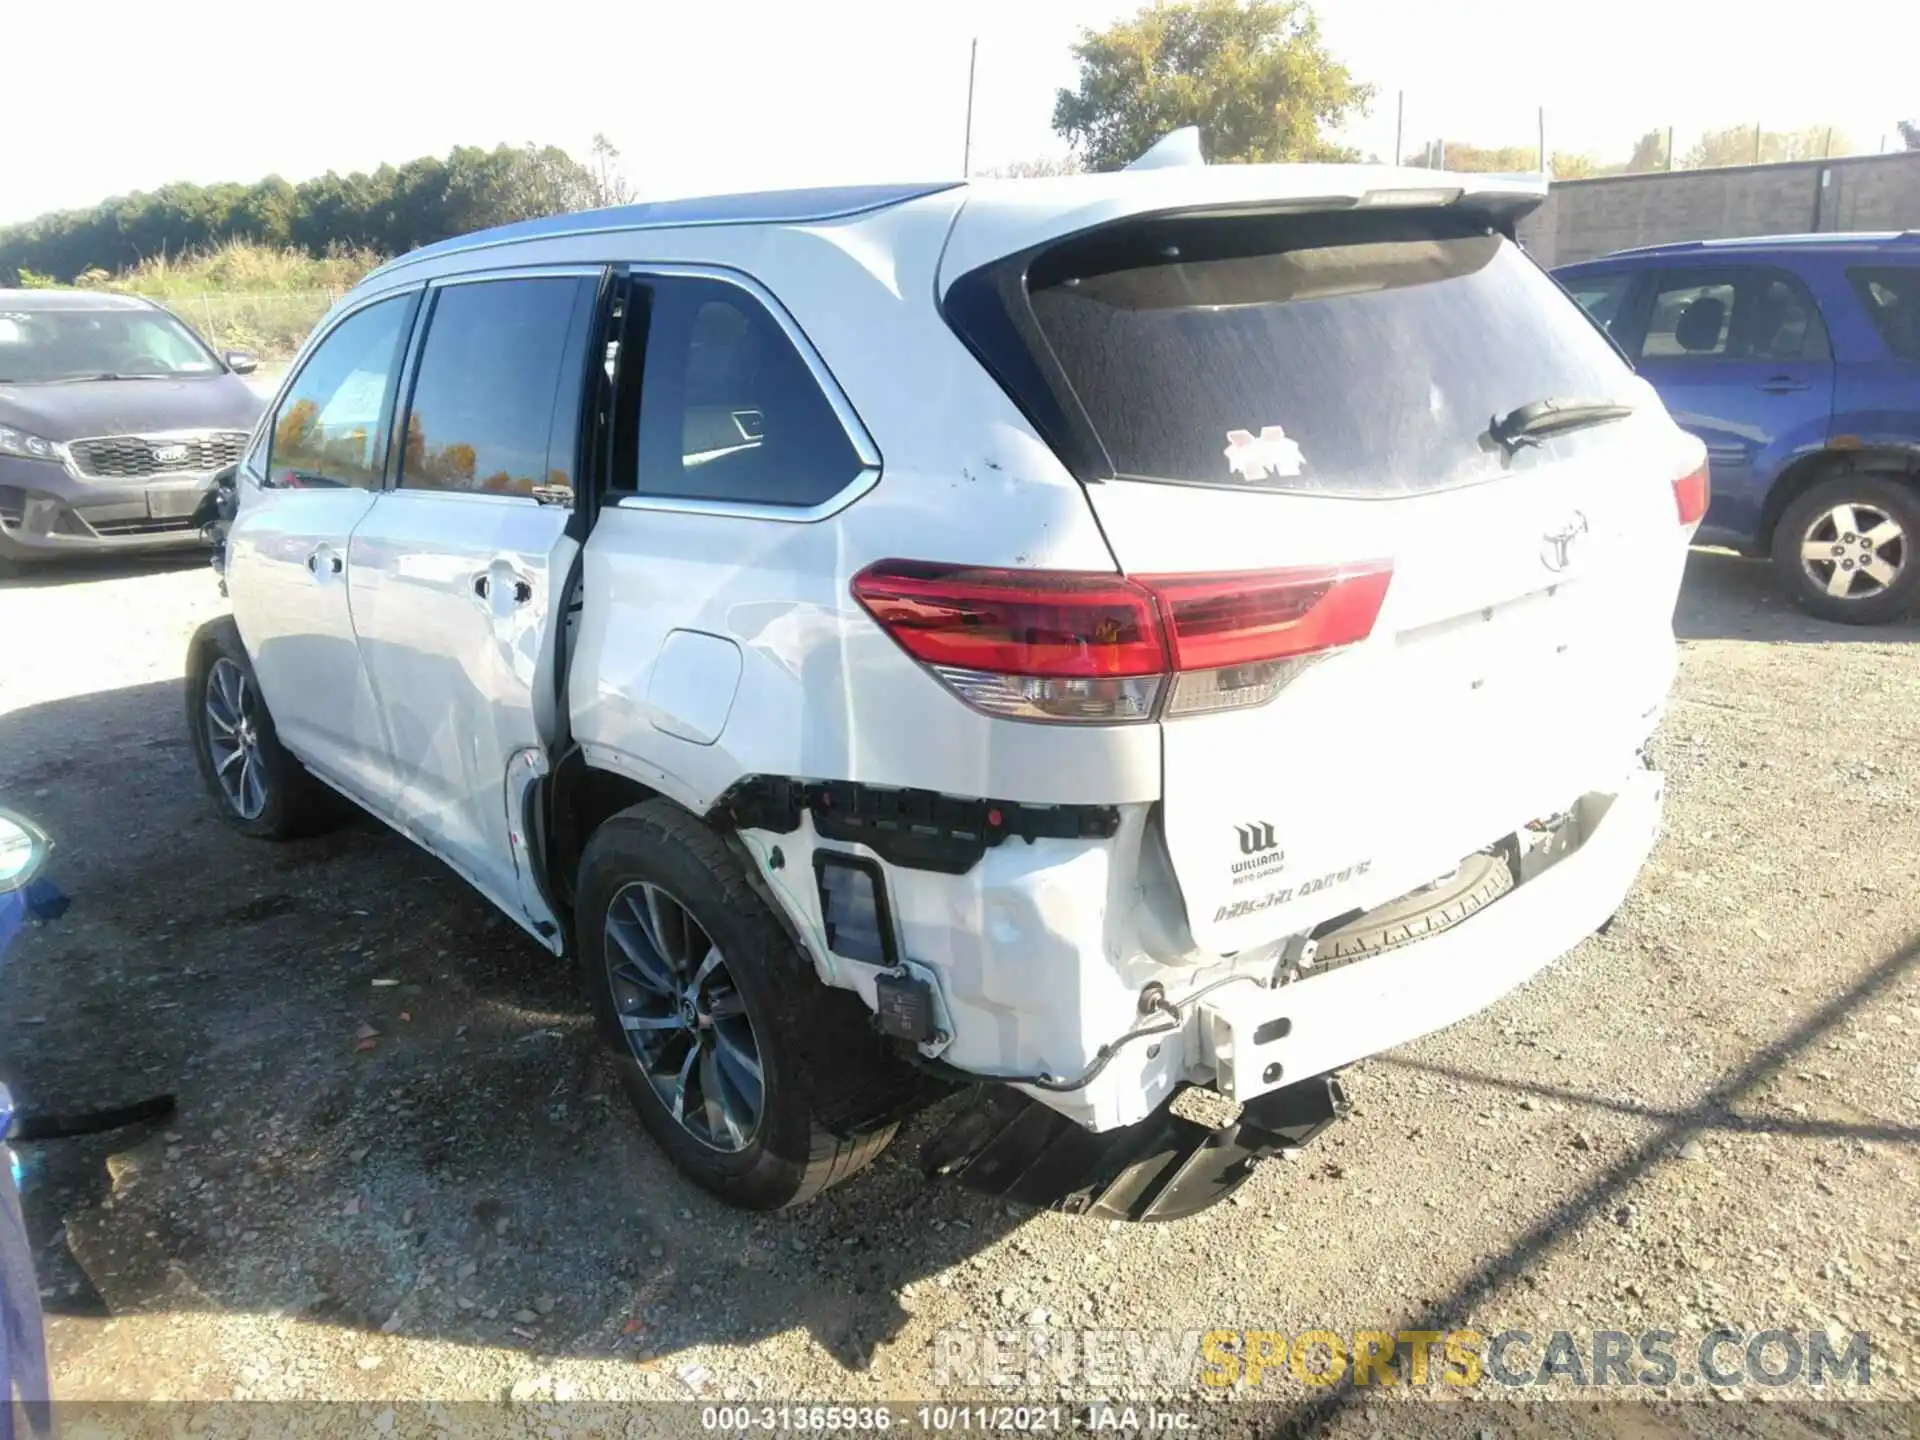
pixel 259 788
pixel 1845 549
pixel 723 1035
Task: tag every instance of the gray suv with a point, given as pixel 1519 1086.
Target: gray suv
pixel 114 417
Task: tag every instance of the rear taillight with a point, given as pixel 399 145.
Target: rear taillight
pixel 1691 493
pixel 1101 648
pixel 1236 639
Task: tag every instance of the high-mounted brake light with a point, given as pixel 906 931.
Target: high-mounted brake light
pixel 1691 493
pixel 1102 648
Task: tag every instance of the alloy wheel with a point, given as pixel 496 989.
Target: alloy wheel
pixel 1853 551
pixel 683 1018
pixel 233 739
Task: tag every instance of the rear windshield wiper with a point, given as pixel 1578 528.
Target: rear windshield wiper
pixel 1526 425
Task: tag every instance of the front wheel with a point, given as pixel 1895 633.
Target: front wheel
pixel 1844 550
pixel 724 1039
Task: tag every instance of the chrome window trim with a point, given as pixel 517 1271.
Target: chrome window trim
pixel 864 448
pixel 423 492
pixel 567 271
pixel 744 510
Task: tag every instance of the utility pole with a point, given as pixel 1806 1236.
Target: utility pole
pixel 1756 142
pixel 1826 150
pixel 966 154
pixel 1440 151
pixel 1543 139
pixel 1400 121
pixel 1669 149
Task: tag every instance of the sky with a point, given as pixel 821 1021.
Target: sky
pixel 722 95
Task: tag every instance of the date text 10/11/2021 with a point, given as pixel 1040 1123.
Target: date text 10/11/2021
pixel 1130 1419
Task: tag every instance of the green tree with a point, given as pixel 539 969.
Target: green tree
pixel 1649 153
pixel 1735 145
pixel 1252 74
pixel 391 210
pixel 609 182
pixel 1909 133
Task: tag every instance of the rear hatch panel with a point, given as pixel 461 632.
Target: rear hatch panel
pixel 1264 391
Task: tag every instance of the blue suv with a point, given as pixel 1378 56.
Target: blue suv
pixel 1796 358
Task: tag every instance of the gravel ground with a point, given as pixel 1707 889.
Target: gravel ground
pixel 398 1171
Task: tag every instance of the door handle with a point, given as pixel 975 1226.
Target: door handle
pixel 324 561
pixel 1783 385
pixel 520 593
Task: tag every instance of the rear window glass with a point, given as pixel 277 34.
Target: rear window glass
pixel 1355 354
pixel 1892 298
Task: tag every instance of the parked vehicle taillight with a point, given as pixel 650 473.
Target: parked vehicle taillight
pixel 1691 493
pixel 1101 649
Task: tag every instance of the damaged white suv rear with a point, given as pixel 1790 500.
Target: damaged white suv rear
pixel 1080 639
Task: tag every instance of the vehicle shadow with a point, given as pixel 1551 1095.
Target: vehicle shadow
pixel 1730 597
pixel 1728 1104
pixel 87 569
pixel 393 1115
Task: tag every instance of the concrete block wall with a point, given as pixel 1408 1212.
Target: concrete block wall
pixel 1585 218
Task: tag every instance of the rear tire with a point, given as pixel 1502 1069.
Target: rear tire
pixel 731 1089
pixel 1844 549
pixel 258 787
pixel 1480 880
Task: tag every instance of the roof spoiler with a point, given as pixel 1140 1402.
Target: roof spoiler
pixel 1176 147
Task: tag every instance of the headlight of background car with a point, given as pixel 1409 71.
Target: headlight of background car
pixel 19 442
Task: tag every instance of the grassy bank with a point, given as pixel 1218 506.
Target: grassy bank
pixel 244 297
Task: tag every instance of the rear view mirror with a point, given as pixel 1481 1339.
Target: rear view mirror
pixel 241 363
pixel 23 850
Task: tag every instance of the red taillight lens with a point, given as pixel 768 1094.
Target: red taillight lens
pixel 1691 493
pixel 1015 622
pixel 1237 619
pixel 1028 644
pixel 1051 645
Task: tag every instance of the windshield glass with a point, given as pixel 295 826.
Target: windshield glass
pixel 1344 353
pixel 40 346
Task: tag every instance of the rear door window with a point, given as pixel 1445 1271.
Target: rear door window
pixel 500 370
pixel 1891 296
pixel 1347 353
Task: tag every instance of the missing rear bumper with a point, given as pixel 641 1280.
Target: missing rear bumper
pixel 1165 1167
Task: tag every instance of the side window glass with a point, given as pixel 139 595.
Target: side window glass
pixel 729 411
pixel 1779 321
pixel 1601 296
pixel 328 429
pixel 501 359
pixel 1892 300
pixel 1689 320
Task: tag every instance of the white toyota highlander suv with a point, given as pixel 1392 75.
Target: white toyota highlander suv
pixel 1082 639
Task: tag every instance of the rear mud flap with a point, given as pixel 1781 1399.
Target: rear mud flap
pixel 1165 1167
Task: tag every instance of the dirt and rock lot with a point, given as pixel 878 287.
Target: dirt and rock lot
pixel 399 1170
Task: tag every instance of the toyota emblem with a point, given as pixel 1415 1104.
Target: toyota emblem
pixel 1556 546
